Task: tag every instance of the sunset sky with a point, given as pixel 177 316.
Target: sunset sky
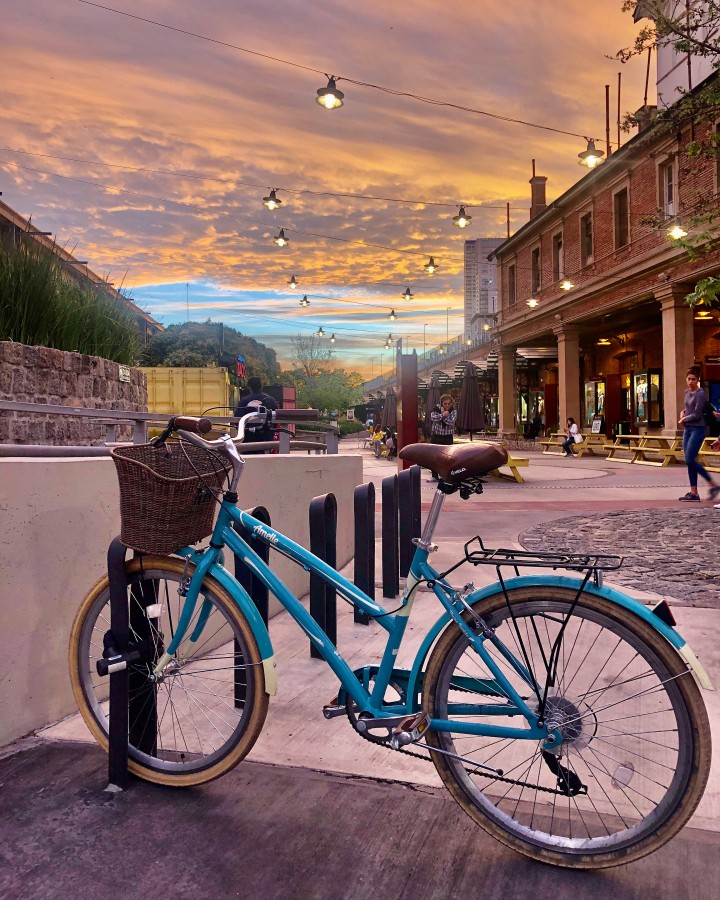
pixel 90 98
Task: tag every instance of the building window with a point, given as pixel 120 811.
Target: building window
pixel 535 287
pixel 586 240
pixel 558 260
pixel 621 209
pixel 511 285
pixel 667 188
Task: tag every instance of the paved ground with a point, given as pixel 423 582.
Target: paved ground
pixel 319 813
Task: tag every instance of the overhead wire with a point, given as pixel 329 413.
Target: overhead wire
pixel 357 82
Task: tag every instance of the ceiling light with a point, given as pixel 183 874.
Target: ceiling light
pixel 392 315
pixel 430 266
pixel 407 294
pixel 603 342
pixel 330 97
pixel 462 220
pixel 566 284
pixel 332 338
pixel 304 302
pixel 486 327
pixel 468 342
pixel 676 231
pixel 272 201
pixel 280 239
pixel 293 282
pixel 590 157
pixel 532 302
pixel 320 332
pixel 703 314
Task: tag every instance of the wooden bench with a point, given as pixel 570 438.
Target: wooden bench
pixel 514 463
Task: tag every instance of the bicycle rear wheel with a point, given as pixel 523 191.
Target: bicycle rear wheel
pixel 210 705
pixel 635 731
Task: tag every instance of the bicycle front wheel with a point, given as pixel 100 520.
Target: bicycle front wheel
pixel 635 755
pixel 206 713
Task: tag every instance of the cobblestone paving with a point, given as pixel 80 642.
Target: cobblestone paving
pixel 674 552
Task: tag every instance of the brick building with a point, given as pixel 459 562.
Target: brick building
pixel 592 291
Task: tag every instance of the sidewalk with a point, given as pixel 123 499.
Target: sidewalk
pixel 562 501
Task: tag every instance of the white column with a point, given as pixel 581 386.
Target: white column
pixel 568 374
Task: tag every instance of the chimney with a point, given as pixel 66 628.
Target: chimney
pixel 537 193
pixel 645 117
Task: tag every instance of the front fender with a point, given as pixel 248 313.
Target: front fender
pixel 614 596
pixel 250 611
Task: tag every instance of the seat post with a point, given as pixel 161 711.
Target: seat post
pixel 425 542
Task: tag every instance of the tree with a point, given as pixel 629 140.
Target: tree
pixel 311 357
pixel 335 390
pixel 205 344
pixel 689 27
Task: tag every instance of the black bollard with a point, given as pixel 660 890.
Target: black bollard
pixel 409 516
pixel 364 575
pixel 323 543
pixel 390 563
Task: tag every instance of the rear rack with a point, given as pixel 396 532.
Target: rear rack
pixel 478 554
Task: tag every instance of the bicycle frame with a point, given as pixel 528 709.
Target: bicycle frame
pixel 368 699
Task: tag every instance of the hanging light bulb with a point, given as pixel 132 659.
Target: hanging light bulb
pixel 532 302
pixel 407 294
pixel 272 201
pixel 293 283
pixel 304 302
pixel 676 231
pixel 280 239
pixel 566 284
pixel 330 97
pixel 332 338
pixel 590 157
pixel 392 315
pixel 320 332
pixel 430 266
pixel 462 220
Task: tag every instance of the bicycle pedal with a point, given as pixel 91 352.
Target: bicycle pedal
pixel 410 730
pixel 333 709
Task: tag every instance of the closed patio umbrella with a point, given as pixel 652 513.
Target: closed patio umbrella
pixel 470 416
pixel 389 416
pixel 433 400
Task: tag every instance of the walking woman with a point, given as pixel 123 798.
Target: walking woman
pixel 442 420
pixel 694 424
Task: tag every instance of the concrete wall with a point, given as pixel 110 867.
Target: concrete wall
pixel 57 517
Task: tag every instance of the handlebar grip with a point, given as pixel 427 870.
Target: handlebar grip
pixel 297 415
pixel 194 424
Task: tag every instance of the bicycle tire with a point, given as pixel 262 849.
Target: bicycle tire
pixel 209 713
pixel 607 756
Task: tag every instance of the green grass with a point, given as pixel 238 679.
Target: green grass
pixel 40 306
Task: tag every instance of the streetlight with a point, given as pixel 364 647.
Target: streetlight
pixel 447 325
pixel 424 327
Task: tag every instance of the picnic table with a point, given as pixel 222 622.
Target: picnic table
pixel 591 444
pixel 708 457
pixel 513 463
pixel 646 450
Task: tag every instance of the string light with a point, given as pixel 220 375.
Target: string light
pixel 486 327
pixel 330 97
pixel 320 332
pixel 280 239
pixel 392 315
pixel 462 220
pixel 430 266
pixel 590 157
pixel 272 201
pixel 293 283
pixel 676 232
pixel 304 302
pixel 532 302
pixel 407 294
pixel 332 338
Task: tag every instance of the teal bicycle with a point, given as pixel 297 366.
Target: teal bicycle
pixel 563 716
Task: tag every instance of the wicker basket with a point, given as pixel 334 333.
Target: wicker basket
pixel 164 504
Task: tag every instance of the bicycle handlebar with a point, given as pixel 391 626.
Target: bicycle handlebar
pixel 194 424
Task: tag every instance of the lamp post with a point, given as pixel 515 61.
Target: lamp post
pixel 424 349
pixel 447 326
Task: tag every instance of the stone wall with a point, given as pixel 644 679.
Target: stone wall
pixel 61 378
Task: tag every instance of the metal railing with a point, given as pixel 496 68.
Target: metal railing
pixel 324 440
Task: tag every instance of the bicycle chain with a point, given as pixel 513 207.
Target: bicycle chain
pixel 383 742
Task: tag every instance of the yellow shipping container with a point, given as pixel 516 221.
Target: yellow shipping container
pixel 188 391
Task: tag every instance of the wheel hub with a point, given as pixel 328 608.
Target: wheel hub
pixel 572 718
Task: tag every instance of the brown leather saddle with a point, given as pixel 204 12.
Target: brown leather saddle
pixel 456 463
